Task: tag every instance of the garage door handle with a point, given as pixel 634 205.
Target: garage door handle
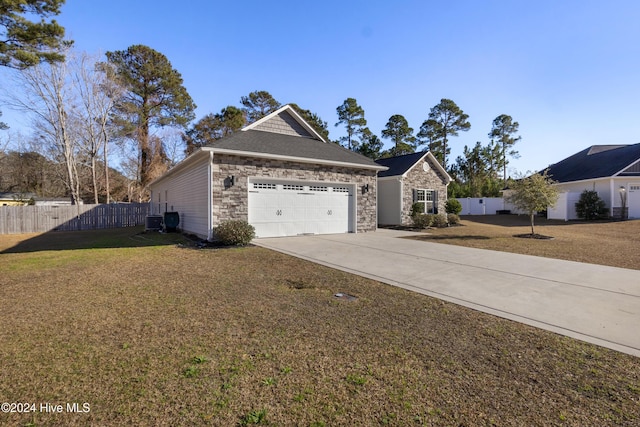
pixel 279 212
pixel 329 212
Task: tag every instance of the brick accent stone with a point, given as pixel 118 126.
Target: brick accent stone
pixel 231 202
pixel 418 178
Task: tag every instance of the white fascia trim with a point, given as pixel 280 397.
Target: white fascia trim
pixel 401 201
pixel 264 119
pixel 292 158
pixel 625 168
pixel 210 198
pixel 294 114
pixel 194 157
pixel 404 175
pixel 604 178
pixel 612 194
pixel 390 178
pixel 433 161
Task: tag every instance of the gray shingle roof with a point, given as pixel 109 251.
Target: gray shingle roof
pixel 400 164
pixel 597 161
pixel 270 143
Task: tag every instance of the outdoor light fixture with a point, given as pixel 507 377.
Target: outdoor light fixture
pixel 623 202
pixel 232 180
pixel 365 188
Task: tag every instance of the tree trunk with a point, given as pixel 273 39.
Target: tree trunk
pixel 94 178
pixel 106 165
pixel 532 217
pixel 146 153
pixel 444 152
pixel 504 167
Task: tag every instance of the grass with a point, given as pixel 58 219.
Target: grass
pixel 601 242
pixel 150 331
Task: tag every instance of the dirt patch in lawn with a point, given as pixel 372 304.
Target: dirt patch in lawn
pixel 613 243
pixel 165 335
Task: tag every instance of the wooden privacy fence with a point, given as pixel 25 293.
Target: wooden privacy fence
pixel 37 219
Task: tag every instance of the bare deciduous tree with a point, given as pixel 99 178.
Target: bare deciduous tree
pixel 44 91
pixel 97 95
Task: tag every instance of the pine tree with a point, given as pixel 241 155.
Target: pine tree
pixel 258 104
pixel 154 97
pixel 401 134
pixel 351 115
pixel 445 119
pixel 503 131
pixel 24 43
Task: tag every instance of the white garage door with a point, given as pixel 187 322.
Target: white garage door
pixel 292 208
pixel 633 200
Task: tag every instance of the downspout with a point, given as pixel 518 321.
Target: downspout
pixel 401 210
pixel 356 188
pixel 612 196
pixel 376 183
pixel 210 198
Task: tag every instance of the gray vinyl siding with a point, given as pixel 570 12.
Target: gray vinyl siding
pixel 185 192
pixel 285 124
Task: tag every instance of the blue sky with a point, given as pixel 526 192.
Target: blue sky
pixel 567 71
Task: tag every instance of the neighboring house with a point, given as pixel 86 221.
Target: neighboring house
pixel 23 199
pixel 611 170
pixel 15 199
pixel 55 201
pixel 279 175
pixel 412 178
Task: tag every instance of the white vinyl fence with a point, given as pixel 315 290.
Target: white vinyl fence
pixel 38 219
pixel 565 208
pixel 485 206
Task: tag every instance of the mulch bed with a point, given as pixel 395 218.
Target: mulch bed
pixel 533 236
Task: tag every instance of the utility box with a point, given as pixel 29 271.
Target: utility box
pixel 153 223
pixel 171 221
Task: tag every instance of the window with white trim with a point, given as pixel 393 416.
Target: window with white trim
pixel 427 197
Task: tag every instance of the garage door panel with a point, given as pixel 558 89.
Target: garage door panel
pixel 293 208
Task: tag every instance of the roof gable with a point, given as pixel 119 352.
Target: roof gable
pixel 285 121
pixel 401 165
pixel 597 161
pixel 261 139
pixel 633 170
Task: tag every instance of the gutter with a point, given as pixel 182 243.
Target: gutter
pixel 293 159
pixel 210 198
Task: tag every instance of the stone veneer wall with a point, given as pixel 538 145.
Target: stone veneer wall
pixel 231 202
pixel 417 178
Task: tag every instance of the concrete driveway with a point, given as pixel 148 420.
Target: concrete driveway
pixel 589 302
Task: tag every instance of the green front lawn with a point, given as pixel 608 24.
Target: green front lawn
pixel 148 330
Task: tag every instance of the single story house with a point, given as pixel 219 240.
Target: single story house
pixel 611 170
pixel 412 178
pixel 16 199
pixel 278 174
